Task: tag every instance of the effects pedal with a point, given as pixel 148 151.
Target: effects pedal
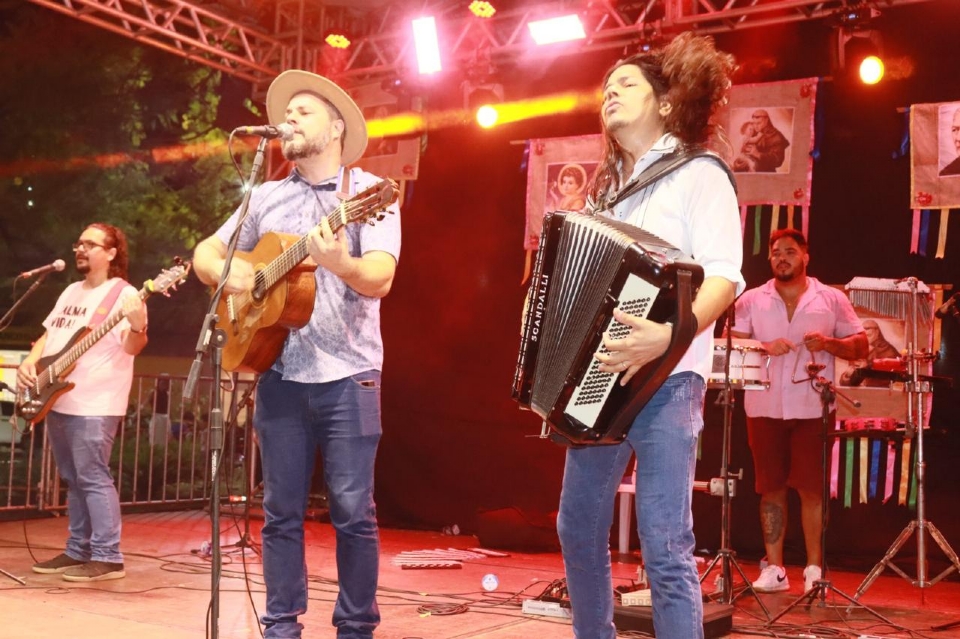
pixel 545 608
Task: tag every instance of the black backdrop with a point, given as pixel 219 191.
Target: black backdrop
pixel 454 442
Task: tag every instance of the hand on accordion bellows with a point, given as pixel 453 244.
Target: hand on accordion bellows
pixel 646 341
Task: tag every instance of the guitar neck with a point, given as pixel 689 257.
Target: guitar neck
pixel 81 347
pixel 298 252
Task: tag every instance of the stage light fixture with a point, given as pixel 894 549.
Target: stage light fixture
pixel 427 45
pixel 859 52
pixel 856 16
pixel 337 40
pixel 559 29
pixel 482 9
pixel 477 94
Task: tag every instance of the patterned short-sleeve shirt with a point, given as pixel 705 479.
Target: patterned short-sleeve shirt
pixel 342 337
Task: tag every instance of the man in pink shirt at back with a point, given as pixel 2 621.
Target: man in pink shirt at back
pixel 799 321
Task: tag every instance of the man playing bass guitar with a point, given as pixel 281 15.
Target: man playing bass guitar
pixel 82 423
pixel 324 388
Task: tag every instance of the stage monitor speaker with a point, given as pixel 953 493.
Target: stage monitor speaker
pixel 717 619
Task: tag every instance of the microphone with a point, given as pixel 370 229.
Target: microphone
pixel 950 307
pixel 56 265
pixel 283 131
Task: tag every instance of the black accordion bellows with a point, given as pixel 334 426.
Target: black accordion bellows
pixel 587 266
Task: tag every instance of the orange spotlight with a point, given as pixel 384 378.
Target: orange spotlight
pixel 871 69
pixel 487 116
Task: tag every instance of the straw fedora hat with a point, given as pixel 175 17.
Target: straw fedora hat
pixel 290 83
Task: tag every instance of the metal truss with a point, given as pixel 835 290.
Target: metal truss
pixel 246 49
pixel 187 30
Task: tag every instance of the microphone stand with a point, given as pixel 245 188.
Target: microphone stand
pixel 726 556
pixel 828 394
pixel 8 316
pixel 212 336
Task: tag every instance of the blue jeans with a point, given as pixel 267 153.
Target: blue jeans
pixel 81 447
pixel 342 418
pixel 664 437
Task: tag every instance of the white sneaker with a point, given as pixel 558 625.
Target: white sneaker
pixel 811 574
pixel 772 579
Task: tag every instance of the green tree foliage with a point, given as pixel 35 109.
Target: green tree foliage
pixel 98 128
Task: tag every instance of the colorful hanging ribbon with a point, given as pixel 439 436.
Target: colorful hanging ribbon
pixel 874 467
pixel 904 473
pixel 891 464
pixel 848 476
pixel 756 230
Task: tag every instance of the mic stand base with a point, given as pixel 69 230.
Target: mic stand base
pixel 14 577
pixel 822 586
pixel 726 593
pixel 819 593
pixel 920 527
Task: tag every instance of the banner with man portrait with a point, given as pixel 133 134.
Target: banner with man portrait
pixel 934 170
pixel 935 155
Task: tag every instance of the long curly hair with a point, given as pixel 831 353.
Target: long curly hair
pixel 115 238
pixel 694 78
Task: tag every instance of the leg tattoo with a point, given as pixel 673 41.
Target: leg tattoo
pixel 771 522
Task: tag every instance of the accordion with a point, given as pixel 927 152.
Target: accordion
pixel 586 266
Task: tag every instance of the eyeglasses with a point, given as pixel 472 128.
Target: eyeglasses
pixel 86 245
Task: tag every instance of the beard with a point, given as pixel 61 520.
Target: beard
pixel 298 149
pixel 83 268
pixel 788 275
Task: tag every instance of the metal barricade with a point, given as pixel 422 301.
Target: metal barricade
pixel 161 455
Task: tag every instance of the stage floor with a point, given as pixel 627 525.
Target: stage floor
pixel 166 593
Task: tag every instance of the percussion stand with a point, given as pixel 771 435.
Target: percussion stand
pixel 828 394
pixel 916 389
pixel 727 557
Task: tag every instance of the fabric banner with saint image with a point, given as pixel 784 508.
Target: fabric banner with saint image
pixel 770 127
pixel 558 172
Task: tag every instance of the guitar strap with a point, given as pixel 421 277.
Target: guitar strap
pixel 108 301
pixel 660 168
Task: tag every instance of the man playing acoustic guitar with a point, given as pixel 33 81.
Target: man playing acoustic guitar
pixel 82 423
pixel 324 388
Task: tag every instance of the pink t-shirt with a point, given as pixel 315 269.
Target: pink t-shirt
pixel 104 373
pixel 762 315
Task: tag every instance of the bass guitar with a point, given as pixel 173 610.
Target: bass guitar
pixel 34 403
pixel 257 322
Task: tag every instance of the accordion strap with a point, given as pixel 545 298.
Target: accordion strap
pixel 663 166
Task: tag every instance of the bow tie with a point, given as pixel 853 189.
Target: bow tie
pixel 330 186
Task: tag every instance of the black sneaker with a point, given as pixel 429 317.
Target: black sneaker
pixel 94 571
pixel 61 562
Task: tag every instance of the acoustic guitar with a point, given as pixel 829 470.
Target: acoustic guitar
pixel 257 322
pixel 35 402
